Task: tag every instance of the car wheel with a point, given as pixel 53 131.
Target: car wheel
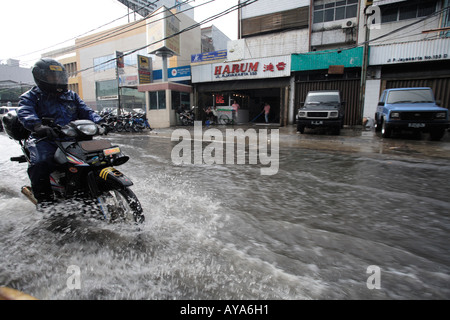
pixel 385 132
pixel 377 125
pixel 437 134
pixel 301 129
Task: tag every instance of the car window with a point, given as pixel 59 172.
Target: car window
pixel 410 96
pixel 322 98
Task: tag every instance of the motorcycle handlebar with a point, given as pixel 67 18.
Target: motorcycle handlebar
pixel 103 128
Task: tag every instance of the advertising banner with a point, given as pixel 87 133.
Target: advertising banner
pixel 144 69
pixel 162 28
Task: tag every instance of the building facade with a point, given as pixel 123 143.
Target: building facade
pixel 283 51
pixel 332 47
pixel 14 80
pixel 257 67
pixel 410 47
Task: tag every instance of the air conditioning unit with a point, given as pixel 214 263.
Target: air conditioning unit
pixel 348 24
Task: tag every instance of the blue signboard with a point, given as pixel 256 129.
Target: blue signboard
pixel 173 73
pixel 209 56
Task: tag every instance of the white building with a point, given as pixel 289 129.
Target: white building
pixel 408 48
pixel 14 80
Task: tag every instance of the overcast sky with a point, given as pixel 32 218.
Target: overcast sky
pixel 27 26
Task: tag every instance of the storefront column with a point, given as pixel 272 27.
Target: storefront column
pixel 291 114
pixel 147 103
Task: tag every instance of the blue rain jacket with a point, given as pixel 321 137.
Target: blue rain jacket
pixel 36 104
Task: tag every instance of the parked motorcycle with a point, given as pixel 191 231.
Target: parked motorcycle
pixel 85 169
pixel 140 122
pixel 187 117
pixel 129 122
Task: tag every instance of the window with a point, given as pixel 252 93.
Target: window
pixel 325 10
pixel 104 63
pixel 426 8
pixel 410 96
pixel 400 11
pixel 446 22
pixel 106 90
pixel 131 59
pixel 180 100
pixel 388 14
pixel 407 12
pixel 109 61
pixel 157 100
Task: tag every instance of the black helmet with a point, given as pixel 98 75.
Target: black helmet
pixel 50 76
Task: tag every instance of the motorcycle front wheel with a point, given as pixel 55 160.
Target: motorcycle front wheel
pixel 120 205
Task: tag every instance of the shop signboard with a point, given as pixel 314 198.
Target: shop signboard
pixel 209 56
pixel 176 74
pixel 417 51
pixel 163 29
pixel 144 69
pixel 318 60
pixel 263 68
pixel 128 81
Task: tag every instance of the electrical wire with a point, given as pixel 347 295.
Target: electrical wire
pixel 126 29
pixel 407 26
pixel 85 33
pixel 382 36
pixel 196 25
pixel 116 32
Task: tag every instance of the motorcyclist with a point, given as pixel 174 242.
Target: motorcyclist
pixel 50 98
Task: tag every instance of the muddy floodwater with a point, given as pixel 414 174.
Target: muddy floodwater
pixel 344 217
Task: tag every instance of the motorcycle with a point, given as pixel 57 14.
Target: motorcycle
pixel 187 117
pixel 140 122
pixel 85 169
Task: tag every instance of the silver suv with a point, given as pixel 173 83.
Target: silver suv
pixel 321 109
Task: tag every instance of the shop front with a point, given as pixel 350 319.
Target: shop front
pixel 238 90
pixel 412 64
pixel 164 100
pixel 330 70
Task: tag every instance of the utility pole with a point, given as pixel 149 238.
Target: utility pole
pixel 119 70
pixel 365 63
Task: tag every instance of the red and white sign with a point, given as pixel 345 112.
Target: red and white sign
pixel 272 67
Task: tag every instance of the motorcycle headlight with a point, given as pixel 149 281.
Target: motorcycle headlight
pixel 69 131
pixel 88 129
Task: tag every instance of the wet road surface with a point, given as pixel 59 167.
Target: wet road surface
pixel 336 207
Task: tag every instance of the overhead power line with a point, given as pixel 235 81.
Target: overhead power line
pixel 372 41
pixel 129 27
pixel 87 32
pixel 196 25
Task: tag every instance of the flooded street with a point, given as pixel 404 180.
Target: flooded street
pixel 336 207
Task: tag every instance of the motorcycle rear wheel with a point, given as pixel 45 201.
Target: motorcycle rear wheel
pixel 121 205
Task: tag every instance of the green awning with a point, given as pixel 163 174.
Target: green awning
pixel 317 60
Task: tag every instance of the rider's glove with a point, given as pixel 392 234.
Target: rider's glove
pixel 44 131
